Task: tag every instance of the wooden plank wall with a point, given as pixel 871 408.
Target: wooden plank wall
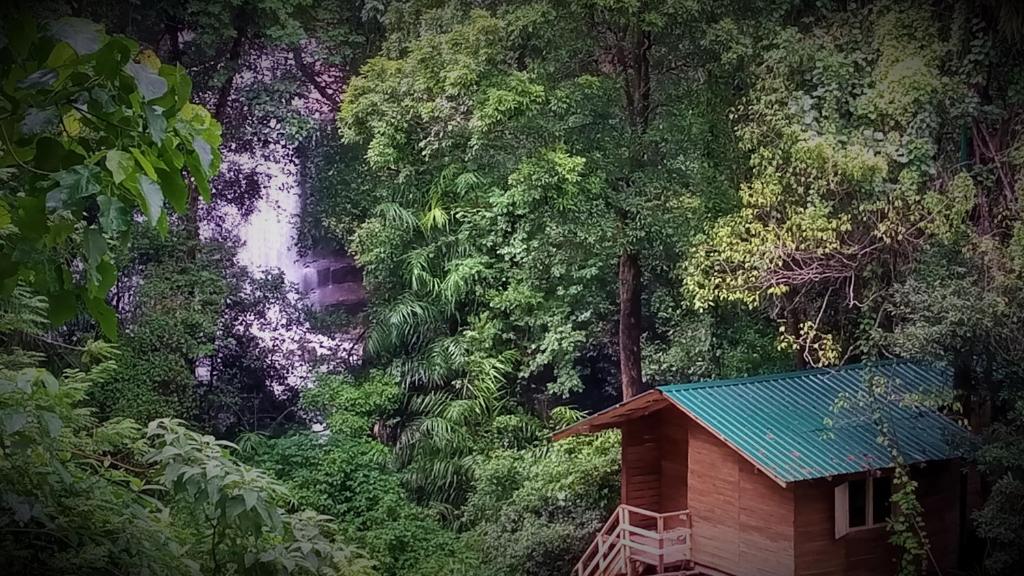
pixel 868 552
pixel 818 553
pixel 641 463
pixel 938 488
pixel 674 454
pixel 766 524
pixel 742 520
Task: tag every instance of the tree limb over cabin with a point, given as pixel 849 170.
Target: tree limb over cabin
pixel 767 476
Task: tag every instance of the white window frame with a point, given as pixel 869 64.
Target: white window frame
pixel 842 508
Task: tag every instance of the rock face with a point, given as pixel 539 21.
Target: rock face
pixel 334 282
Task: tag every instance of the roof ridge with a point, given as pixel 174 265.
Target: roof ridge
pixel 783 375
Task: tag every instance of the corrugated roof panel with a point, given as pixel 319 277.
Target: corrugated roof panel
pixel 779 422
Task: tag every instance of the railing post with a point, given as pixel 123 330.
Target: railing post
pixel 661 544
pixel 624 530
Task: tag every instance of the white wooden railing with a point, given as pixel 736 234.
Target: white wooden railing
pixel 633 538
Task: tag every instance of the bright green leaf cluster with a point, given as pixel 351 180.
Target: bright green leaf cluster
pixel 92 132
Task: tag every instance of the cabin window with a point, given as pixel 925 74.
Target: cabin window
pixel 862 503
pixel 856 503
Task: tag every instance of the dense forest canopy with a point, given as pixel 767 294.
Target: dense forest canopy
pixel 554 205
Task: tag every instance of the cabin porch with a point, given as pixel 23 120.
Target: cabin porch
pixel 635 542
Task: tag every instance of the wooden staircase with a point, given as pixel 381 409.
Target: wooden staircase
pixel 638 542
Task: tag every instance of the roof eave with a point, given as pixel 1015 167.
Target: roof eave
pixel 613 417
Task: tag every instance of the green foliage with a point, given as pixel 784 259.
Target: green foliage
pixel 505 173
pixel 534 511
pixel 347 474
pixel 351 407
pixel 1001 520
pixel 68 500
pixel 249 532
pixel 350 479
pixel 80 496
pixel 170 314
pixel 851 172
pixel 530 511
pixel 93 131
pixel 841 126
pixel 339 192
pixel 498 182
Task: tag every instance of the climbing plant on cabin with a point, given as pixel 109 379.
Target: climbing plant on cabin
pixel 93 129
pixel 905 524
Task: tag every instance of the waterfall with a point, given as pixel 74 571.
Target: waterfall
pixel 269 241
pixel 268 237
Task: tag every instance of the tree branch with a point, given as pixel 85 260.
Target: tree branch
pixel 310 75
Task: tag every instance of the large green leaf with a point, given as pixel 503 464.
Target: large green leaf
pixel 174 189
pixel 74 183
pixel 120 164
pixel 104 316
pixel 113 57
pixel 152 199
pixel 146 163
pixel 114 215
pixel 156 122
pixel 150 84
pixel 61 55
pixel 94 245
pixel 84 36
pixel 106 274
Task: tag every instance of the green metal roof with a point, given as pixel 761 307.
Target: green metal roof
pixel 779 422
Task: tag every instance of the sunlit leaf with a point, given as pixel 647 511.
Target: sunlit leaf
pixel 120 164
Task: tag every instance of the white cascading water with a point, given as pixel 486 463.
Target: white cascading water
pixel 268 236
pixel 268 241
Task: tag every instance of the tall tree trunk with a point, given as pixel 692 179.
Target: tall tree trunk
pixel 630 312
pixel 637 86
pixel 232 65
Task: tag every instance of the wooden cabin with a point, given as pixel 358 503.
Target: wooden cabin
pixel 764 476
